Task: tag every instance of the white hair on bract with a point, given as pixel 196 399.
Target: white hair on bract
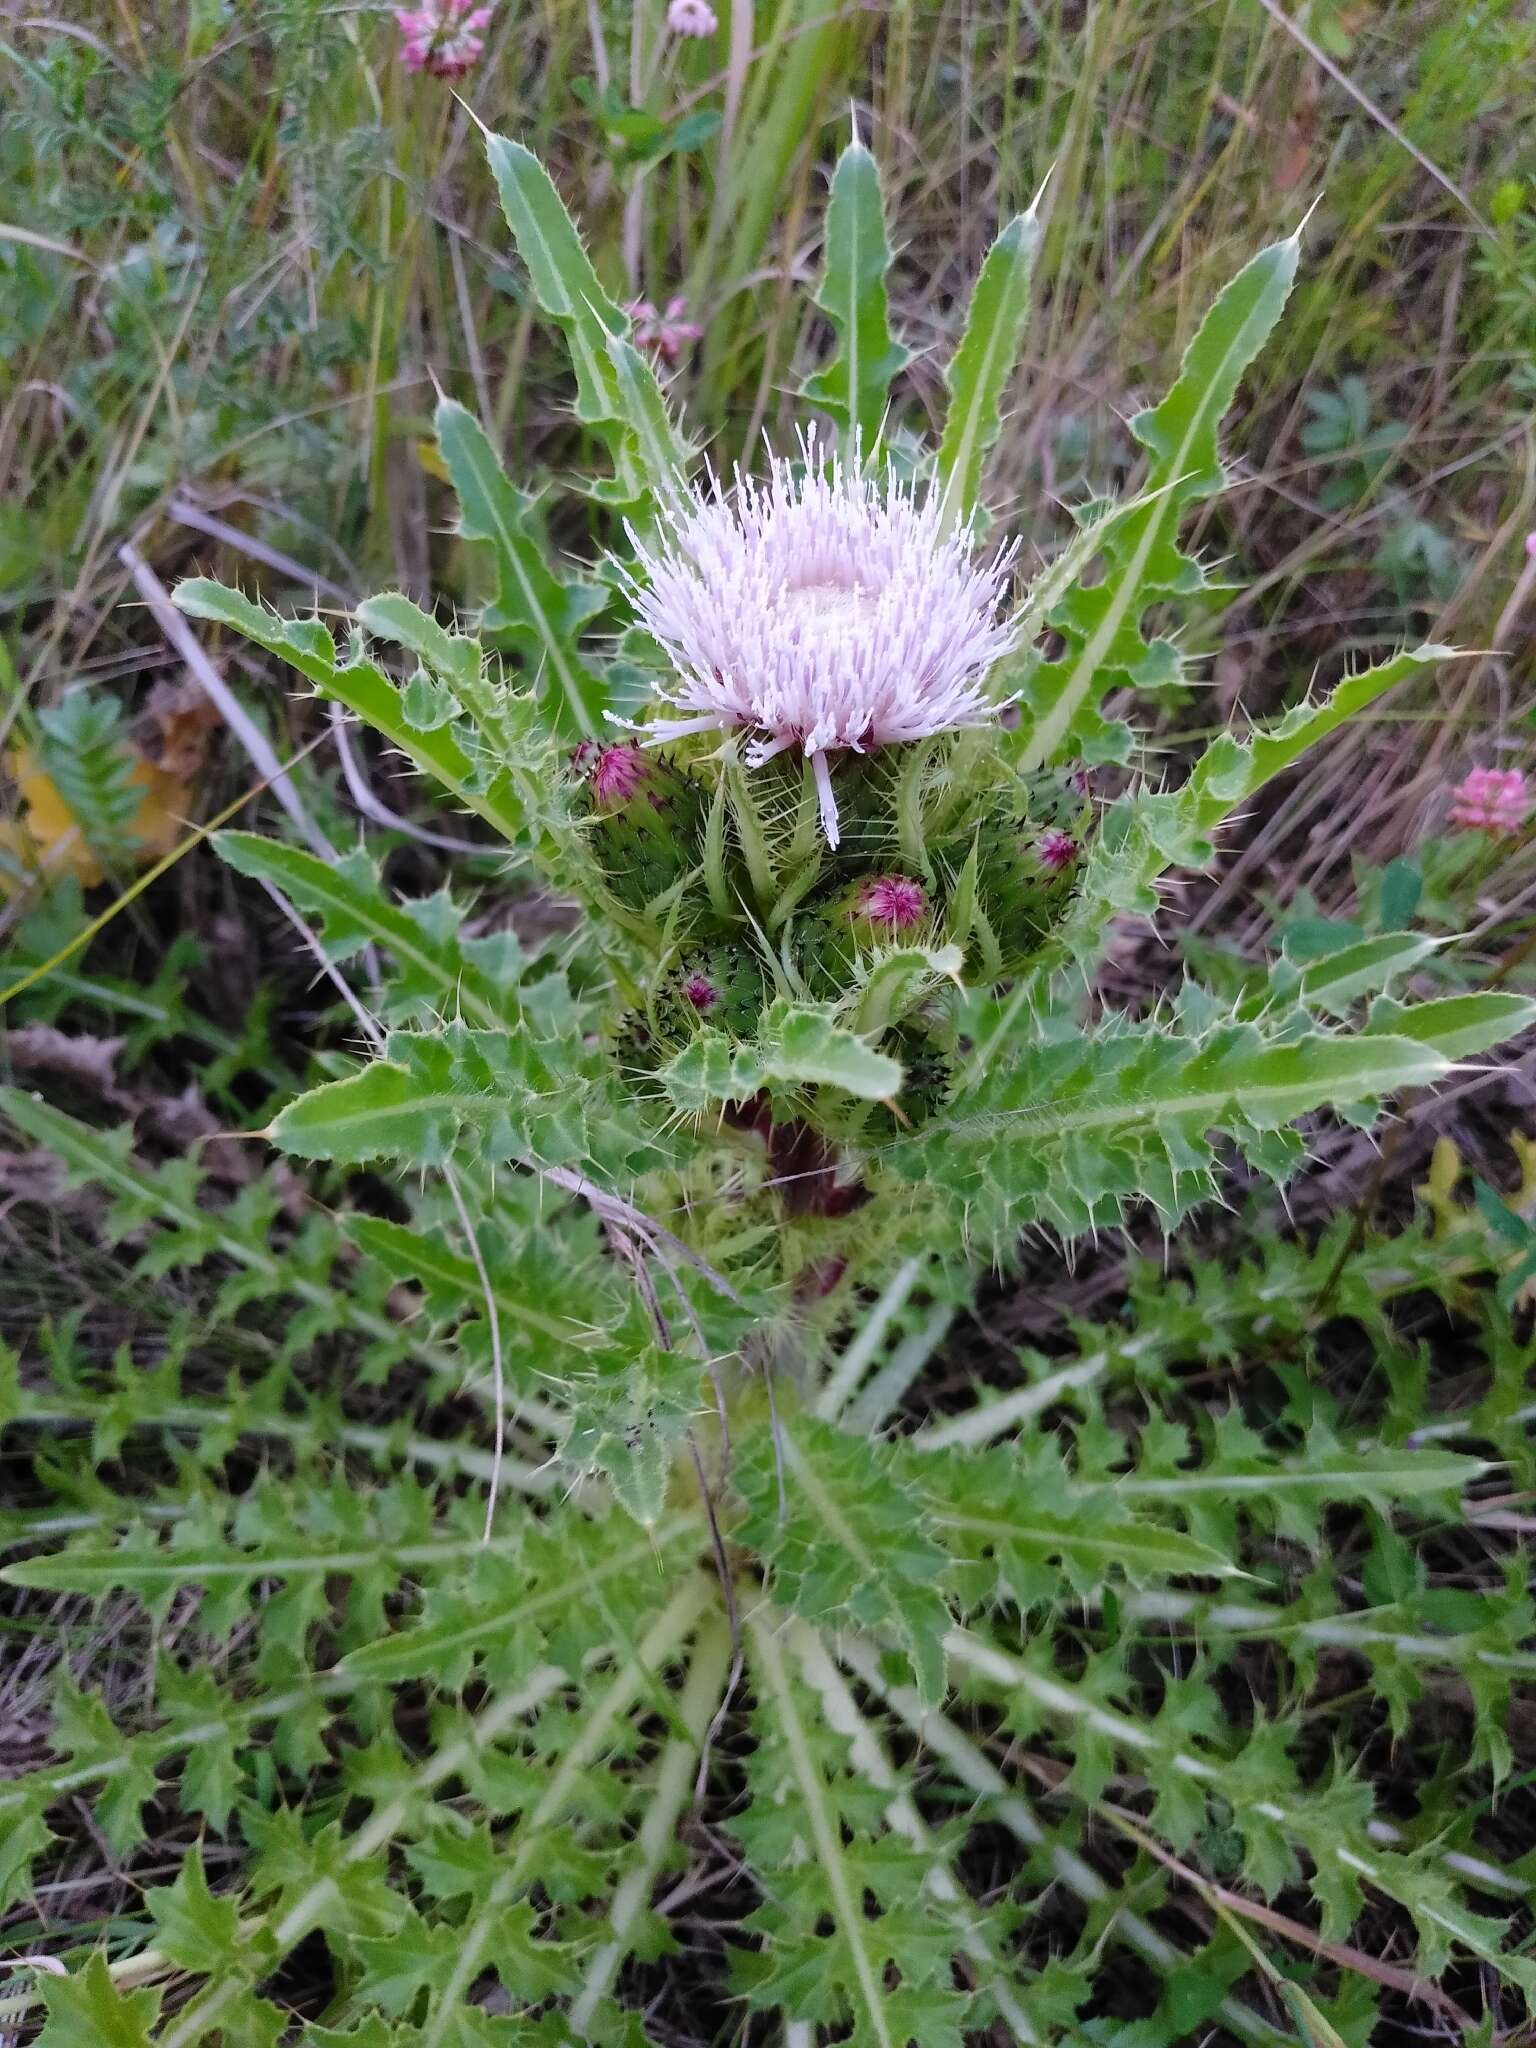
pixel 822 608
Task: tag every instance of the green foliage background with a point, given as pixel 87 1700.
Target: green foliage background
pixel 807 1681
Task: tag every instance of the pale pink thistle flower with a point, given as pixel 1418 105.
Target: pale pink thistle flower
pixel 668 334
pixel 821 610
pixel 701 992
pixel 895 902
pixel 442 36
pixel 691 18
pixel 1491 800
pixel 1055 850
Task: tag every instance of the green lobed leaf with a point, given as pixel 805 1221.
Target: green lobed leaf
pixel 617 396
pixel 534 612
pixel 852 1541
pixel 855 385
pixel 86 2010
pixel 1076 1127
pixel 846 1937
pixel 196 1930
pixel 1455 1026
pixel 630 1424
pixel 362 687
pixel 564 283
pixel 1231 769
pixel 800 1046
pixel 1032 1533
pixel 506 1094
pixel 1101 622
pixel 431 964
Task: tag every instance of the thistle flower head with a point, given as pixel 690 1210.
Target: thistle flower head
pixel 820 610
pixel 1491 800
pixel 893 902
pixel 700 991
pixel 691 18
pixel 442 36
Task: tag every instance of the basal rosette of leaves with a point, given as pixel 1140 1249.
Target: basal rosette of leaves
pixel 683 1205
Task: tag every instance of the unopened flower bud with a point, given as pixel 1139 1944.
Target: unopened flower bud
pixel 720 986
pixel 647 819
pixel 1028 863
pixel 891 904
pixel 1056 850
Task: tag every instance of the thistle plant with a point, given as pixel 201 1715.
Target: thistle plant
pixel 690 1197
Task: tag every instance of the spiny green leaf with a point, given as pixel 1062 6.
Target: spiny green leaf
pixel 564 283
pixel 534 613
pixel 305 644
pixel 1101 622
pixel 852 1542
pixel 568 290
pixel 1457 1027
pixel 506 1093
pixel 799 1047
pixel 978 375
pixel 1079 1125
pixel 347 893
pixel 631 1424
pixel 855 386
pixel 195 1929
pixel 85 2010
pixel 881 1976
pixel 362 687
pixel 1231 770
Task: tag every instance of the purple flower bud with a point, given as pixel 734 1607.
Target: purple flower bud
pixel 894 901
pixel 615 773
pixel 699 990
pixel 1056 850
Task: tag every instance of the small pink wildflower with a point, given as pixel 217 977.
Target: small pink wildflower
pixel 699 990
pixel 894 901
pixel 1491 800
pixel 1056 849
pixel 691 18
pixel 615 773
pixel 667 333
pixel 442 36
